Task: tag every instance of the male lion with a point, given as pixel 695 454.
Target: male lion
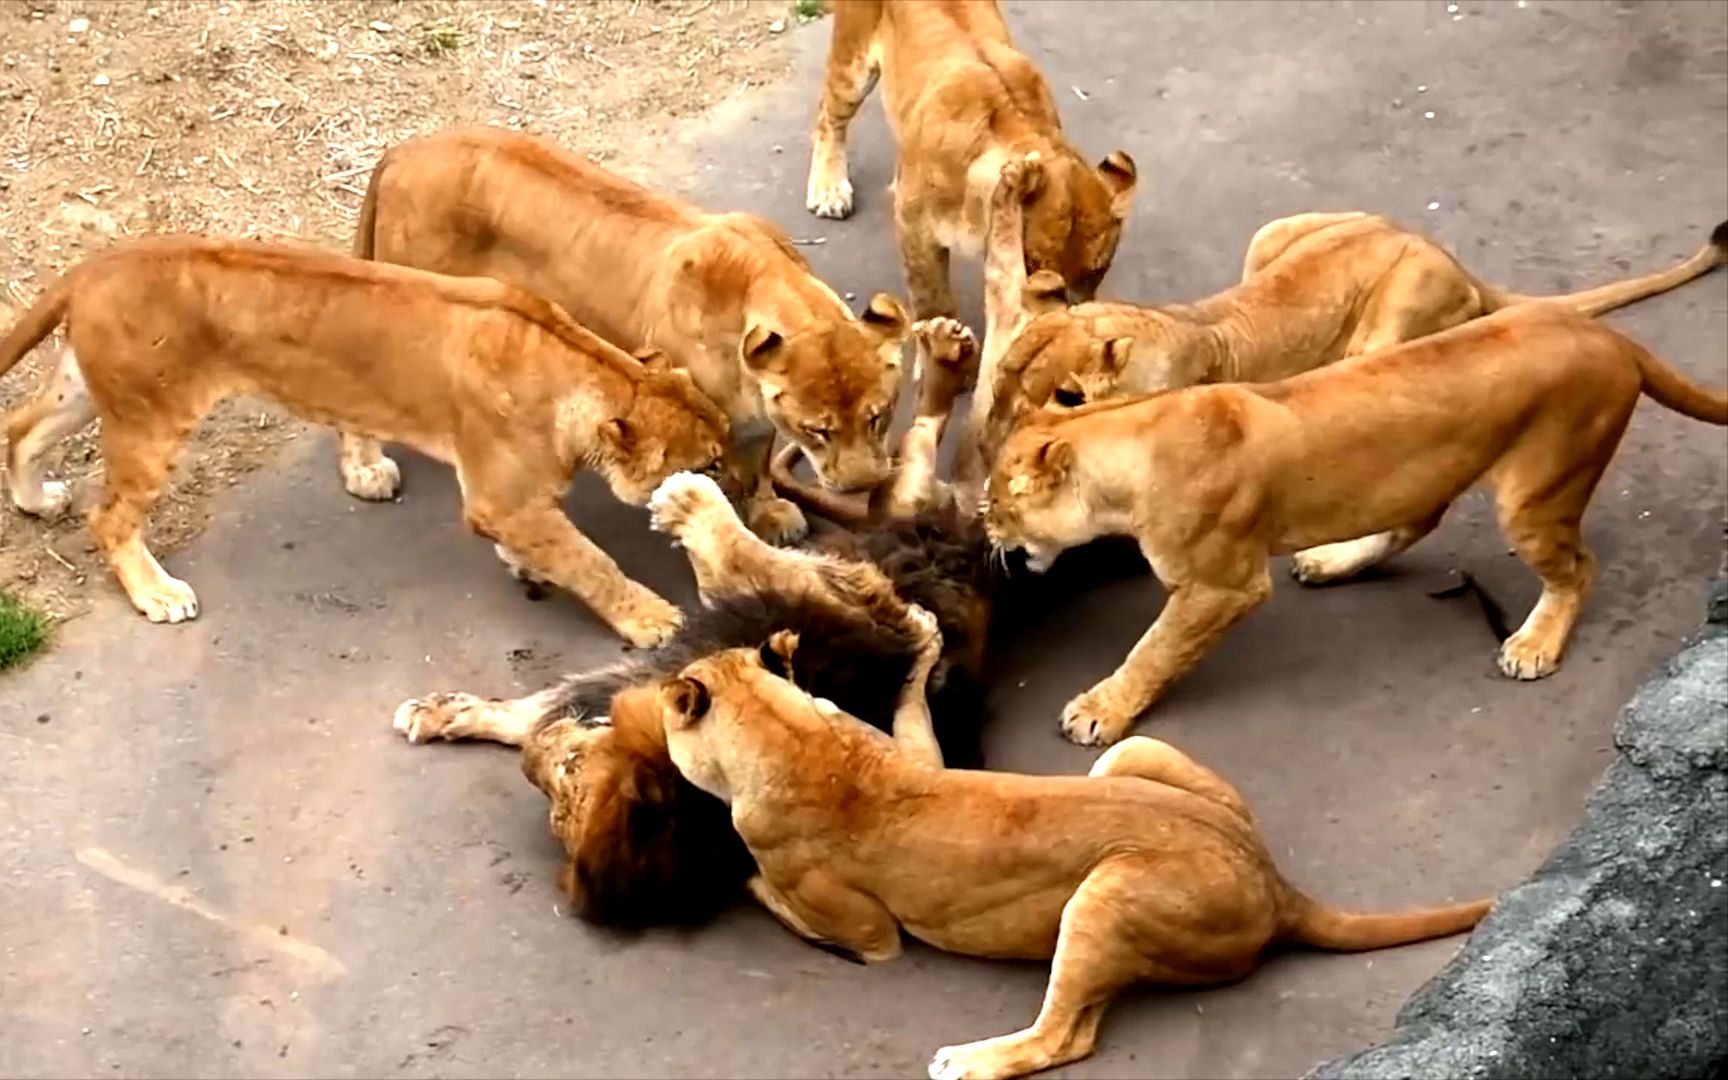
pixel 961 100
pixel 1213 480
pixel 1148 870
pixel 1315 288
pixel 493 379
pixel 725 296
pixel 643 846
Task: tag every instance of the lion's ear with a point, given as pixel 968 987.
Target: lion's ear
pixel 1115 353
pixel 776 653
pixel 1055 458
pixel 653 359
pixel 687 699
pixel 618 435
pixel 1119 174
pixel 1045 291
pixel 759 346
pixel 886 316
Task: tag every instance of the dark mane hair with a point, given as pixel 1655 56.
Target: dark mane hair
pixel 656 850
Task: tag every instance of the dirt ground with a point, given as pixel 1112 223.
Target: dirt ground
pixel 263 119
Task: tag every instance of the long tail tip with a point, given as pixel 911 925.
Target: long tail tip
pixel 1719 237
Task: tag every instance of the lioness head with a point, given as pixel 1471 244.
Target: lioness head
pixel 831 388
pixel 731 708
pixel 1069 356
pixel 670 427
pixel 1034 500
pixel 1074 218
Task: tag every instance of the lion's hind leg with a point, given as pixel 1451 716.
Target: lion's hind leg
pixel 1157 760
pixel 63 408
pixel 1131 920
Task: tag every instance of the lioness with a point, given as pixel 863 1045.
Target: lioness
pixel 1148 870
pixel 493 379
pixel 961 100
pixel 725 296
pixel 1315 288
pixel 1213 480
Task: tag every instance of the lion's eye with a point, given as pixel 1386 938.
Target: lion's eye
pixel 1068 397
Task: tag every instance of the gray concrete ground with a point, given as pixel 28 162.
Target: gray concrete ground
pixel 219 859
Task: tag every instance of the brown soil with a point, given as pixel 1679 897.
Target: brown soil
pixel 262 119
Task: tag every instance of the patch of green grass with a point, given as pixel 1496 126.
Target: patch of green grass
pixel 442 38
pixel 807 10
pixel 23 631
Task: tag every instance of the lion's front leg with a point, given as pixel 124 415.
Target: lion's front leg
pixel 728 558
pixel 823 910
pixel 1195 617
pixel 465 716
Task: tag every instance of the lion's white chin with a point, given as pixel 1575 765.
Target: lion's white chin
pixel 1038 563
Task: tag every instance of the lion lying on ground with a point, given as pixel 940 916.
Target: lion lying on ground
pixel 483 375
pixel 724 296
pixel 1315 288
pixel 1148 870
pixel 961 99
pixel 644 846
pixel 1211 481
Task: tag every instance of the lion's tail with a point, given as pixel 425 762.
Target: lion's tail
pixel 1620 293
pixel 1674 390
pixel 36 323
pixel 364 236
pixel 1324 927
pixel 851 513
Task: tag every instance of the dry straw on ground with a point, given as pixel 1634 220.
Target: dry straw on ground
pixel 262 119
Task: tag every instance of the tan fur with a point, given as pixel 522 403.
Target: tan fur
pixel 1315 288
pixel 1149 870
pixel 946 363
pixel 1213 480
pixel 724 296
pixel 961 100
pixel 494 380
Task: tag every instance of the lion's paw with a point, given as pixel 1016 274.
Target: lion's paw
pixel 377 482
pixel 829 197
pixel 1095 719
pixel 680 499
pixel 420 720
pixel 982 1060
pixel 777 521
pixel 1527 656
pixel 948 342
pixel 167 600
pixel 652 621
pixel 1020 177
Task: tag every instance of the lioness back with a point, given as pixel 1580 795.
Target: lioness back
pixel 486 201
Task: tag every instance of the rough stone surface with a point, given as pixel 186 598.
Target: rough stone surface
pixel 1612 959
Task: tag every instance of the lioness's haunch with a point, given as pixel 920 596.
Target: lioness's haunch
pixel 1363 457
pixel 1315 288
pixel 961 100
pixel 1148 870
pixel 490 378
pixel 724 296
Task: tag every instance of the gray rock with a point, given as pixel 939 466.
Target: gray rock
pixel 1612 960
